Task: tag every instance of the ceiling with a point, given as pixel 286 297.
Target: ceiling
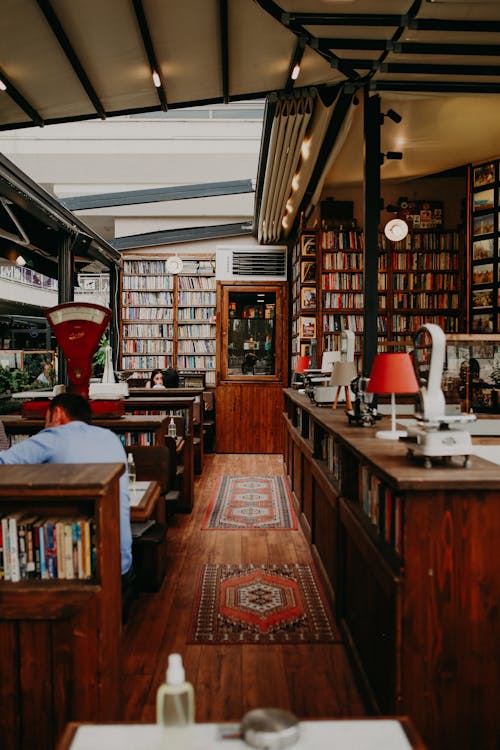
pixel 437 62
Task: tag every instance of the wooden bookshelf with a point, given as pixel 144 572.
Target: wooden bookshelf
pixel 409 557
pixel 60 639
pixel 167 320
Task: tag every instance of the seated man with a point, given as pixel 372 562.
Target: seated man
pixel 69 438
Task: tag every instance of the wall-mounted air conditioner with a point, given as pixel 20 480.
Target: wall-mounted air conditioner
pixel 251 263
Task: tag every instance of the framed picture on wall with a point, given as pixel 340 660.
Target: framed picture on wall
pixel 308 244
pixel 482 249
pixel 483 273
pixel 483 224
pixel 308 271
pixel 308 298
pixel 307 328
pixel 482 298
pixel 483 200
pixel 484 175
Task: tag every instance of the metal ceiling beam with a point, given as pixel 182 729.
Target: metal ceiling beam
pixel 189 234
pixel 70 53
pixel 423 48
pixel 286 20
pixel 224 49
pixel 150 51
pixel 437 87
pixel 19 99
pixel 431 24
pixel 447 70
pixel 155 195
pixel 344 19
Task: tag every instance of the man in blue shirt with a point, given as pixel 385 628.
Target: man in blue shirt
pixel 69 438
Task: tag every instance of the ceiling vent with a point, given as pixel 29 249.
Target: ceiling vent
pixel 245 263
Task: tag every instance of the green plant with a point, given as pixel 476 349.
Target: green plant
pixel 12 381
pixel 99 358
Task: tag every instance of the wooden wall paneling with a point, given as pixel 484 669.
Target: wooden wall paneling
pixel 249 418
pixel 308 502
pixel 10 714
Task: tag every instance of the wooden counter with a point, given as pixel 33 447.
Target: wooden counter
pixel 410 558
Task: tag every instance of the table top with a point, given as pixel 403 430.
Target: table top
pixel 143 499
pixel 342 734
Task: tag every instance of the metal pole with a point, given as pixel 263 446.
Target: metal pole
pixel 371 220
pixel 65 291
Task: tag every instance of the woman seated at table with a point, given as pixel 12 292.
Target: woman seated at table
pixel 156 380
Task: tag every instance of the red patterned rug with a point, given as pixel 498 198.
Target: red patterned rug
pixel 251 502
pixel 261 604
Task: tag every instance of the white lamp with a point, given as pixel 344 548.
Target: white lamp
pixel 396 229
pixel 342 375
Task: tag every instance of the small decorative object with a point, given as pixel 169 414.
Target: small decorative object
pixel 270 728
pixel 396 230
pixel 342 375
pixel 174 264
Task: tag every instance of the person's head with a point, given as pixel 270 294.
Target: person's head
pixel 156 378
pixel 67 407
pixel 171 378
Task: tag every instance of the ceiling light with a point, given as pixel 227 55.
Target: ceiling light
pixel 3 86
pixel 394 116
pixel 396 230
pixel 156 79
pixel 295 72
pixel 20 260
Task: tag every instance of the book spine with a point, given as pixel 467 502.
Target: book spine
pixel 44 573
pixel 6 548
pixel 15 572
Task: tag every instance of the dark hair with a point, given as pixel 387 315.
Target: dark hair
pixel 76 407
pixel 171 378
pixel 156 372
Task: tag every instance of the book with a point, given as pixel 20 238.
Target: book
pixel 15 570
pixel 6 548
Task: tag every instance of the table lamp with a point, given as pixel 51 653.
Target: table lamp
pixel 301 367
pixel 392 373
pixel 342 375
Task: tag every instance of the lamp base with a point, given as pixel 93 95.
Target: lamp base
pixel 391 434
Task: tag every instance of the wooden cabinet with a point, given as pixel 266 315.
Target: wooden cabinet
pixel 252 361
pixel 60 639
pixel 410 556
pixel 168 320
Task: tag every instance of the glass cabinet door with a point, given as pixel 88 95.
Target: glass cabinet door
pixel 252 333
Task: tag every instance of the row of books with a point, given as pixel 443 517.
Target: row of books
pixel 147 298
pixel 424 241
pixel 342 280
pixel 197 346
pixel 428 300
pixel 410 322
pixel 146 266
pixel 435 261
pixel 148 346
pixel 383 507
pixel 340 261
pixel 341 239
pixel 131 314
pixel 189 362
pixel 416 282
pixel 343 299
pixel 46 548
pixel 197 330
pixel 148 330
pixel 197 299
pixel 196 282
pixel 146 362
pixel 147 282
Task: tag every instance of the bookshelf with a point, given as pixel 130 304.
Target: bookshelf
pixel 414 578
pixel 168 320
pixel 61 639
pixel 304 295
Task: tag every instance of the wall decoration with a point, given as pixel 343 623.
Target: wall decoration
pixel 484 175
pixel 308 244
pixel 483 249
pixel 308 272
pixel 308 298
pixel 483 224
pixel 485 244
pixel 483 200
pixel 307 328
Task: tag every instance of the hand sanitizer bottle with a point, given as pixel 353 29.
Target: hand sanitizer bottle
pixel 175 698
pixel 172 429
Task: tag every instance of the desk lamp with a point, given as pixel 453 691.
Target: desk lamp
pixel 392 373
pixel 342 375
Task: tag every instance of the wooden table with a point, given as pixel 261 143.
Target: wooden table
pixel 149 550
pixel 341 734
pixel 144 502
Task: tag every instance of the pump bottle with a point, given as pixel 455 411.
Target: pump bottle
pixel 172 429
pixel 175 698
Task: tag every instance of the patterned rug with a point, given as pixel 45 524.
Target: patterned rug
pixel 260 604
pixel 251 502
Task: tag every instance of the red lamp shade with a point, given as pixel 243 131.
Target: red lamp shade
pixel 302 364
pixel 393 373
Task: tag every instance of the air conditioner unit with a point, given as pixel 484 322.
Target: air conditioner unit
pixel 251 263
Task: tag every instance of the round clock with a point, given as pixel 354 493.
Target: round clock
pixel 174 264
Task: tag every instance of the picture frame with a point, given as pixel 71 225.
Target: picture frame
pixel 307 328
pixel 483 249
pixel 483 175
pixel 308 245
pixel 482 273
pixel 308 271
pixel 482 298
pixel 482 323
pixel 483 200
pixel 483 224
pixel 308 298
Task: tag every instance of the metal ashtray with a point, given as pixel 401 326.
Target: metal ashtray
pixel 270 728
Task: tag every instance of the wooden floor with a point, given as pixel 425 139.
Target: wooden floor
pixel 313 681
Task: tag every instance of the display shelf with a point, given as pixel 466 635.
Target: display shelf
pixel 48 679
pixel 414 578
pixel 485 250
pixel 168 320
